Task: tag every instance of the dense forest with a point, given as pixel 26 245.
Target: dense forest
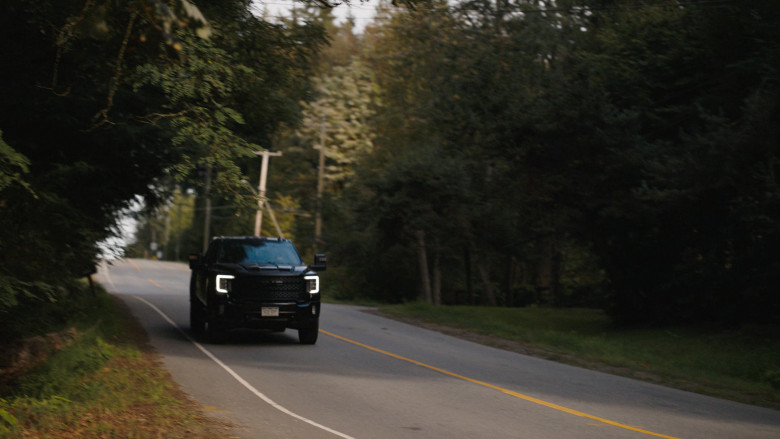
pixel 617 154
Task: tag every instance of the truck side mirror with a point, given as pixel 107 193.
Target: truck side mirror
pixel 195 260
pixel 320 262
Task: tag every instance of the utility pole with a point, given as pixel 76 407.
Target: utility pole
pixel 261 188
pixel 320 188
pixel 273 218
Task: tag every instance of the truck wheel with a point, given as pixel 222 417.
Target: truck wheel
pixel 214 333
pixel 309 335
pixel 197 321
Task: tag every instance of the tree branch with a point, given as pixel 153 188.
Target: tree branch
pixel 117 74
pixel 62 38
pixel 154 117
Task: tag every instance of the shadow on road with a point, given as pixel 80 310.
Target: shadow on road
pixel 236 337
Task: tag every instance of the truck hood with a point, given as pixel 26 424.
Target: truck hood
pixel 264 269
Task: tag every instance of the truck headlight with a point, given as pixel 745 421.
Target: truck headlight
pixel 224 283
pixel 312 284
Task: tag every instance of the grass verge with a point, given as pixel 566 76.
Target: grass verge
pixel 98 379
pixel 741 365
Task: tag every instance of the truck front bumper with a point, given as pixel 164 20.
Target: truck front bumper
pixel 268 315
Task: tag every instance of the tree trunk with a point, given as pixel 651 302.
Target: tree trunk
pixel 555 281
pixel 469 288
pixel 509 281
pixel 484 274
pixel 549 273
pixel 437 275
pixel 424 276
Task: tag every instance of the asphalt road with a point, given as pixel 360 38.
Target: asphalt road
pixel 374 378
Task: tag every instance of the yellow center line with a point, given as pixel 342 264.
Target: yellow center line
pixel 500 389
pixel 157 285
pixel 134 265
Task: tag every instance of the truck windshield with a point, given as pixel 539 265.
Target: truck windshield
pixel 259 252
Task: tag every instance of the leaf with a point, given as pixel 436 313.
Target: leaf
pixel 9 419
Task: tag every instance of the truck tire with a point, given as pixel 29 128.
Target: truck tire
pixel 309 335
pixel 214 333
pixel 197 321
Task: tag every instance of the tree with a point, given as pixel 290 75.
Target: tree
pixel 109 101
pixel 663 200
pixel 463 80
pixel 635 140
pixel 338 120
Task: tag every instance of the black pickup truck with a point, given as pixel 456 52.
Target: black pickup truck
pixel 254 282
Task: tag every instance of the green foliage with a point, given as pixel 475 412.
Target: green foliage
pixel 195 89
pixel 12 291
pixel 339 116
pixel 773 376
pixel 621 155
pixel 262 85
pixel 453 97
pixel 40 309
pixel 12 166
pixel 614 154
pixel 9 420
pixel 686 175
pixel 136 95
pixel 95 382
pixel 56 376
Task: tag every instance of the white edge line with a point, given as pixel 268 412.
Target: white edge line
pixel 241 380
pixel 104 269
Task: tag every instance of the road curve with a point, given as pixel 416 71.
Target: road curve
pixel 370 377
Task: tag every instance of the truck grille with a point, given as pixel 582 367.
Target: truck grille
pixel 269 288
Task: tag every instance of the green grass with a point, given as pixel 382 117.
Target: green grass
pixel 101 381
pixel 742 365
